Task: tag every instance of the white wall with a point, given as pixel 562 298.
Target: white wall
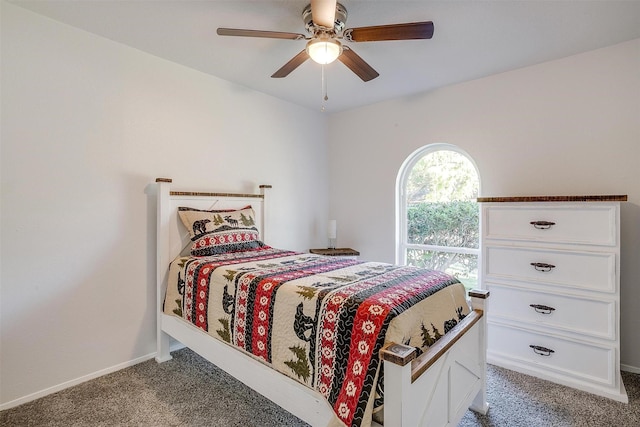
pixel 87 125
pixel 567 127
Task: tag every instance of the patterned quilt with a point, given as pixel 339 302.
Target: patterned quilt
pixel 319 320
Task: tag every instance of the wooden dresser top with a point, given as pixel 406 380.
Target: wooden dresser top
pixel 601 198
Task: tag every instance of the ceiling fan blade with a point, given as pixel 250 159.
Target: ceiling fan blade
pixel 357 64
pixel 293 63
pixel 323 12
pixel 259 33
pixel 408 31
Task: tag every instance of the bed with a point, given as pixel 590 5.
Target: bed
pixel 334 341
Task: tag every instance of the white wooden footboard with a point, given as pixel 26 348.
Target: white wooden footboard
pixel 434 389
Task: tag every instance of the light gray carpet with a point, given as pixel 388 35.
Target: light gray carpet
pixel 188 391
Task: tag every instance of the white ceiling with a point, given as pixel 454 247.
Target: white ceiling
pixel 472 39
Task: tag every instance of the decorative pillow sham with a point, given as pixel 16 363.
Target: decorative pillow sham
pixel 216 232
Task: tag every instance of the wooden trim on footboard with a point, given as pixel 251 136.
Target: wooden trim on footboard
pixel 428 358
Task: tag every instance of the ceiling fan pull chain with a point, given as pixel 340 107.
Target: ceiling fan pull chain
pixel 325 97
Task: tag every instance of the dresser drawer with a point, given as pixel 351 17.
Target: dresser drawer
pixel 585 270
pixel 574 224
pixel 591 317
pixel 547 353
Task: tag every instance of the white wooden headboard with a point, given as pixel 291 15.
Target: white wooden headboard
pixel 172 236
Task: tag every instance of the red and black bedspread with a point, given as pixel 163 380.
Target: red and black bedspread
pixel 320 320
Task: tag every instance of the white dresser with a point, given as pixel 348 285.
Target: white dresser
pixel 552 265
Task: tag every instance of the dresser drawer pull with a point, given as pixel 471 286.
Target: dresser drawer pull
pixel 542 309
pixel 542 351
pixel 542 225
pixel 541 266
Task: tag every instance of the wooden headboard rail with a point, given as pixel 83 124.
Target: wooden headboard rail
pixel 207 194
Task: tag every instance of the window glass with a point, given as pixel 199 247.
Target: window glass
pixel 439 214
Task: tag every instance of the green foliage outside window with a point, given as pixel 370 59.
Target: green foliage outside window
pixel 443 224
pixel 441 211
pixel 442 176
pixel 453 224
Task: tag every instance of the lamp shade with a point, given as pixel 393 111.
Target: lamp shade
pixel 333 229
pixel 324 51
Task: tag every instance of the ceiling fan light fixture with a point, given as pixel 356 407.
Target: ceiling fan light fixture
pixel 324 51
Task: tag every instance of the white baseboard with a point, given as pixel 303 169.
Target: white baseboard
pixel 71 383
pixel 629 368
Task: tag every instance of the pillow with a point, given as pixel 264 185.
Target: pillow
pixel 215 232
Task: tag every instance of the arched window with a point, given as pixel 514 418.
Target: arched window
pixel 437 216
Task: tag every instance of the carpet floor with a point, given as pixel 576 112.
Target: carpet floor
pixel 189 391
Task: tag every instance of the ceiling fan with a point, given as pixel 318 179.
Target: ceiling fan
pixel 325 21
